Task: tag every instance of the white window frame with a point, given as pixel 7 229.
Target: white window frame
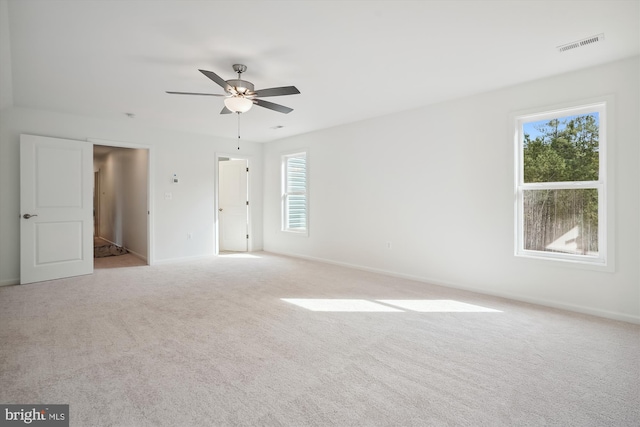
pixel 603 259
pixel 285 194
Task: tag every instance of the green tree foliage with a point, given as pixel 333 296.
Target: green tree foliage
pixel 564 220
pixel 564 151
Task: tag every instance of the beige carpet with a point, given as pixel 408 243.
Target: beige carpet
pixel 126 260
pixel 213 343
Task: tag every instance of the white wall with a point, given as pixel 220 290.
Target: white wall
pixel 123 199
pixel 438 184
pixel 134 188
pixel 192 156
pixel 6 78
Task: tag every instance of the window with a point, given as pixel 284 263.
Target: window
pixel 560 185
pixel 294 193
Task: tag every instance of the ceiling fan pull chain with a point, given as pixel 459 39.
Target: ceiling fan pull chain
pixel 238 113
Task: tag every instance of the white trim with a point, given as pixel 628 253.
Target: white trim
pixel 9 282
pixel 137 255
pixel 184 259
pixel 614 315
pixel 151 161
pixel 603 106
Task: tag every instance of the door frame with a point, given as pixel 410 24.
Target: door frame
pixel 150 186
pixel 96 201
pixel 216 224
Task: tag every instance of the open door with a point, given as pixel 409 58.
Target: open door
pixel 233 205
pixel 56 208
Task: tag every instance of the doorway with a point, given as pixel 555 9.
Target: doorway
pixel 120 205
pixel 233 204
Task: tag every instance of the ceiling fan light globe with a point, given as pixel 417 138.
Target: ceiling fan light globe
pixel 238 104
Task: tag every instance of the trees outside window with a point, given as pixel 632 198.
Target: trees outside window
pixel 560 185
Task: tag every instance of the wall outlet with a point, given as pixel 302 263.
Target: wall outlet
pixel 168 196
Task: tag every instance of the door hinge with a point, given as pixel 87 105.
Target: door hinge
pixel 247 236
pixel 247 169
pixel 247 203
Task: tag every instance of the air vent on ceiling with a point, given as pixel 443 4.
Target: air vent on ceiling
pixel 580 43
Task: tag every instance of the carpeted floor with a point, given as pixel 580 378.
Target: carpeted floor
pixel 260 339
pixel 120 258
pixel 126 260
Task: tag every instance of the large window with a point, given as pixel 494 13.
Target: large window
pixel 294 193
pixel 560 185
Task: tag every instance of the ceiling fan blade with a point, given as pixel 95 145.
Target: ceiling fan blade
pixel 194 93
pixel 216 78
pixel 277 91
pixel 225 110
pixel 272 106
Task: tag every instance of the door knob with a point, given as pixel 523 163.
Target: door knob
pixel 27 216
pixel 220 209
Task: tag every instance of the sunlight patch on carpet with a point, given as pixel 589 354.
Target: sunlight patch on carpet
pixel 237 255
pixel 388 305
pixel 342 305
pixel 437 306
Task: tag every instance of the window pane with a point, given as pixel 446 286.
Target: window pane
pixel 295 193
pixel 297 211
pixel 296 174
pixel 564 221
pixel 562 149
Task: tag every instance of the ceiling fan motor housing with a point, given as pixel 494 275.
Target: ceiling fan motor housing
pixel 241 86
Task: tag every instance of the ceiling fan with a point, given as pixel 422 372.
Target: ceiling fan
pixel 241 96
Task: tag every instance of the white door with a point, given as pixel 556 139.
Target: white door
pixel 56 208
pixel 232 205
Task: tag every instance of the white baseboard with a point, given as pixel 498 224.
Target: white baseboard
pixel 108 241
pixel 183 259
pixel 9 282
pixel 137 255
pixel 538 301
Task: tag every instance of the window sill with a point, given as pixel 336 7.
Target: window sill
pixel 550 261
pixel 304 233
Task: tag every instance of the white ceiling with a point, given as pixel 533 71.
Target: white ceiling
pixel 352 60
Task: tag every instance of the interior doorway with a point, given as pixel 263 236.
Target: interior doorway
pixel 233 204
pixel 121 209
